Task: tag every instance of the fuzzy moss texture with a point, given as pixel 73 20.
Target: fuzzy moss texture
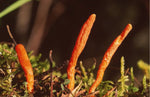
pixel 13 83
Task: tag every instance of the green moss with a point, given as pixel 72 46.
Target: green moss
pixel 11 82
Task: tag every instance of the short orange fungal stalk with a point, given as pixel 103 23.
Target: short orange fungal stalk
pixel 79 46
pixel 24 62
pixel 26 66
pixel 107 57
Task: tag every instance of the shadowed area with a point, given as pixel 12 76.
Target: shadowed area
pixel 56 25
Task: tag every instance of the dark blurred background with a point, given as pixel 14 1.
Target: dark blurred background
pixel 43 25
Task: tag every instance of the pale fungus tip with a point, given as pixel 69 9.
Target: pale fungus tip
pixel 130 25
pixel 93 15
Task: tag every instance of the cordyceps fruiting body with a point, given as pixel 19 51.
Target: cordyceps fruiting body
pixel 107 57
pixel 24 62
pixel 26 66
pixel 78 48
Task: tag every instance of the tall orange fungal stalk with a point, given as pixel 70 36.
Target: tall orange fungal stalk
pixel 107 57
pixel 78 48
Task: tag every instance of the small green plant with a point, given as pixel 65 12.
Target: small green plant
pixel 145 67
pixel 124 78
pixel 132 89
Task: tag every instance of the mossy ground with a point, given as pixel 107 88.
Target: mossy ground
pixel 13 82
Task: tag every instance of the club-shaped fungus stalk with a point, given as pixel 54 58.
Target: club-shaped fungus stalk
pixel 78 48
pixel 107 57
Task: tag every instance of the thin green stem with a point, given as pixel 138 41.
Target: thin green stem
pixel 83 70
pixel 132 76
pixel 12 7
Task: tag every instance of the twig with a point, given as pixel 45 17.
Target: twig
pixel 2 72
pixel 116 93
pixel 107 94
pixel 96 92
pixel 80 92
pixel 126 72
pixel 11 36
pixel 51 72
pixel 135 79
